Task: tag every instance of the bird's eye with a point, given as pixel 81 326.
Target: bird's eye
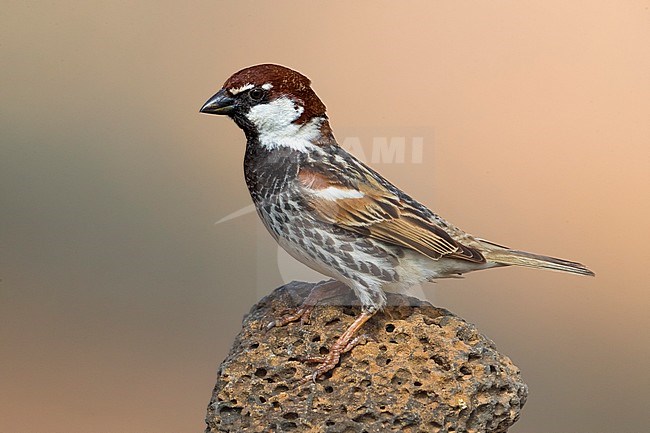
pixel 256 94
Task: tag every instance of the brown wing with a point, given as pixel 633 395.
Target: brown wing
pixel 368 208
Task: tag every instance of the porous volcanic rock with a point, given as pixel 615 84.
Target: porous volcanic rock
pixel 422 369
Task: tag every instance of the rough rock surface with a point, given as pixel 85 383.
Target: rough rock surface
pixel 423 369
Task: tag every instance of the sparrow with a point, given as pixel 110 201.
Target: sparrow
pixel 335 214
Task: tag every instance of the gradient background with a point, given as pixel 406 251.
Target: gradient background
pixel 120 296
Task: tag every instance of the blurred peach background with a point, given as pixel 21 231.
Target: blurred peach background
pixel 119 294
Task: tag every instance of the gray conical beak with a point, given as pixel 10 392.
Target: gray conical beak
pixel 220 103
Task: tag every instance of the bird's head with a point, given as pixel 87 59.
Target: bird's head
pixel 271 103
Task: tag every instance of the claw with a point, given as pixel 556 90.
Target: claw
pixel 344 344
pixel 327 363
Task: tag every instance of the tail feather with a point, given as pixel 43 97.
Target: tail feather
pixel 507 256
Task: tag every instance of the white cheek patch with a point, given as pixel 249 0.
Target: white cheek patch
pixel 275 124
pixel 243 88
pixel 274 115
pixel 334 193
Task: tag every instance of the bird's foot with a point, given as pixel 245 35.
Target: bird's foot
pixel 345 343
pixel 324 359
pixel 322 291
pixel 327 363
pixel 302 313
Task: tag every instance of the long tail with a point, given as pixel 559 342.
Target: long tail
pixel 506 256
